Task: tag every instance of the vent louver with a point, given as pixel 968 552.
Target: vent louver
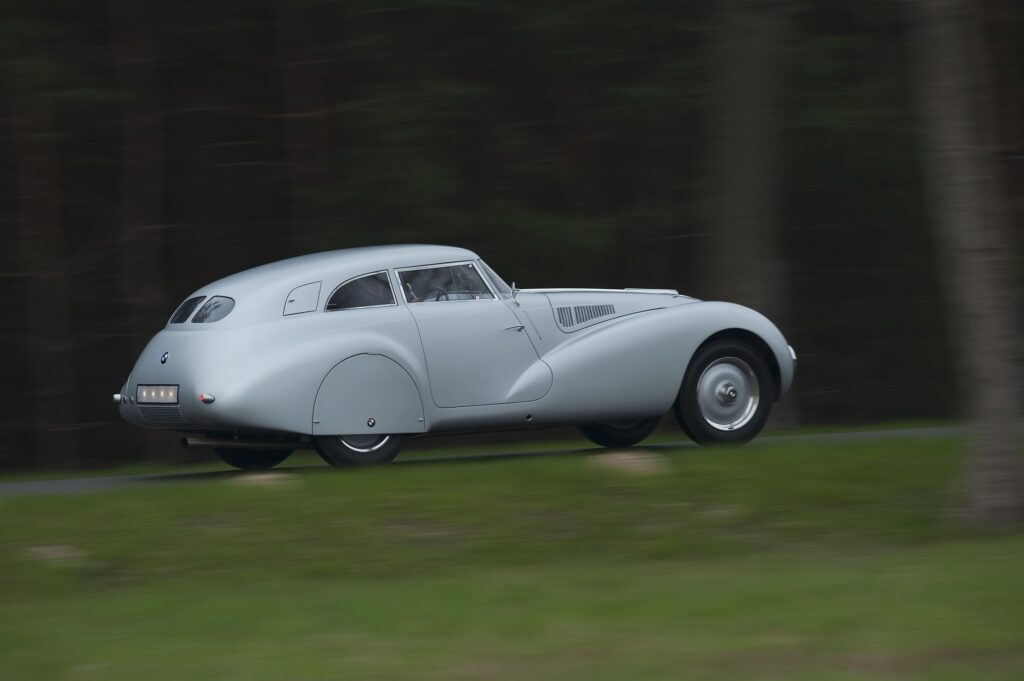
pixel 564 316
pixel 582 314
pixel 586 313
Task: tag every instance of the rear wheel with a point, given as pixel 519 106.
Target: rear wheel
pixel 358 450
pixel 620 433
pixel 252 459
pixel 726 394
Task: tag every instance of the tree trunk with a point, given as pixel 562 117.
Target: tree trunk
pixel 961 174
pixel 1004 20
pixel 743 263
pixel 307 133
pixel 48 338
pixel 141 275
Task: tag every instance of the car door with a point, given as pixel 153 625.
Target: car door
pixel 477 351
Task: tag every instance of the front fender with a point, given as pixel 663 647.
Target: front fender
pixel 633 366
pixel 730 317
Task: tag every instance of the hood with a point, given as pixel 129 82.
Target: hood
pixel 576 309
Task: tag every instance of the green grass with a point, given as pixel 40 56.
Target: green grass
pixel 450 445
pixel 795 560
pixel 428 447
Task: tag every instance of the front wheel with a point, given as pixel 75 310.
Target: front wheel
pixel 620 433
pixel 252 459
pixel 358 450
pixel 726 394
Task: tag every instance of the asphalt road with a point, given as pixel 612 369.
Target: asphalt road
pixel 101 483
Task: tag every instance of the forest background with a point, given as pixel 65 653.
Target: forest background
pixel 785 155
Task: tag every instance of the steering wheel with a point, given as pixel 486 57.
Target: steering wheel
pixel 439 291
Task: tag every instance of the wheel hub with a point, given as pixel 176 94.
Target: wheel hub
pixel 728 393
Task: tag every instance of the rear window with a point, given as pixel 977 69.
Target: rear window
pixel 186 309
pixel 215 309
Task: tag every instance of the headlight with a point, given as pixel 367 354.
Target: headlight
pixel 156 394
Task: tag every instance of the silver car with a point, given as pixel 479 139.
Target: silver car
pixel 351 352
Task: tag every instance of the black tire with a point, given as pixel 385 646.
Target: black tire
pixel 624 434
pixel 736 362
pixel 252 459
pixel 358 450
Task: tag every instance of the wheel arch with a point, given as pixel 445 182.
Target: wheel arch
pixel 755 341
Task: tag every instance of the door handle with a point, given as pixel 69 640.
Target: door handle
pixel 517 327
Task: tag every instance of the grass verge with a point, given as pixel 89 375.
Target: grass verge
pixel 796 560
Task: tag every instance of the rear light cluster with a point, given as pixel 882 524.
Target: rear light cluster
pixel 157 394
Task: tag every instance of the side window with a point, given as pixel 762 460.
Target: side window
pixel 368 291
pixel 447 282
pixel 302 299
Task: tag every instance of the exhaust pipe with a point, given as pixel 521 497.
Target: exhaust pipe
pixel 192 441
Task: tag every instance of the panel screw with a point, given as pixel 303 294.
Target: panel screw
pixel 371 422
pixel 163 357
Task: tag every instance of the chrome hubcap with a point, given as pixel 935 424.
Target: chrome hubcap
pixel 728 393
pixel 364 443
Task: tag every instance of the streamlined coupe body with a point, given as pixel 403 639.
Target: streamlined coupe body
pixel 352 351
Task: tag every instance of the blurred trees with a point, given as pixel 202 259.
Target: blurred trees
pixel 148 148
pixel 970 218
pixel 743 261
pixel 32 79
pixel 140 186
pixel 309 145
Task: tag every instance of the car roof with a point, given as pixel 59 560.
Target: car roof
pixel 260 292
pixel 333 267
